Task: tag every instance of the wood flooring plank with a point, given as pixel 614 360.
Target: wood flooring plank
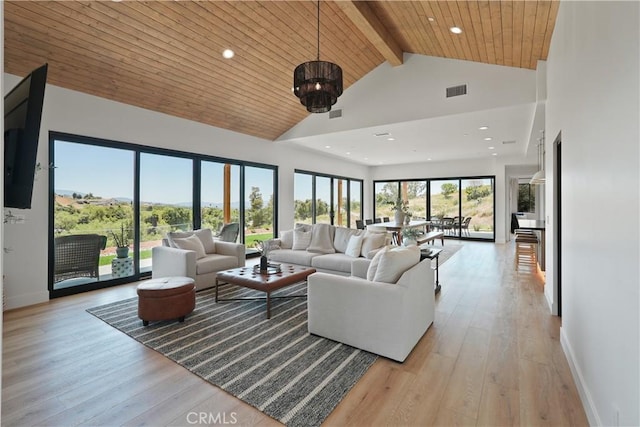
pixel 464 391
pixel 500 406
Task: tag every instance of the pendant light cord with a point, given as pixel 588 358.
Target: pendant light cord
pixel 318 30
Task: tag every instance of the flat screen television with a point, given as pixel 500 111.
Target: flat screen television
pixel 22 116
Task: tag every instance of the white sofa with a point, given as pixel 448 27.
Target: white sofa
pixel 326 250
pixel 383 318
pixel 180 255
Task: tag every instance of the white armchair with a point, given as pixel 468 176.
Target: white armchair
pixel 382 318
pixel 168 262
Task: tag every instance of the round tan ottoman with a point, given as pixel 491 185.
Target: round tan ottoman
pixel 166 298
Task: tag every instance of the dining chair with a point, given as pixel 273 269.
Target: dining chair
pixel 465 226
pixel 385 219
pixel 368 221
pixel 377 220
pixel 359 224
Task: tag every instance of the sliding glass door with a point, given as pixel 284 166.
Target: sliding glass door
pixel 92 206
pixel 166 200
pixel 477 208
pixel 323 199
pixel 107 198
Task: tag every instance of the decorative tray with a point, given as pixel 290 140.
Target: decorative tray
pixel 271 269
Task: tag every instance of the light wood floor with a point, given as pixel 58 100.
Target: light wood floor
pixel 492 357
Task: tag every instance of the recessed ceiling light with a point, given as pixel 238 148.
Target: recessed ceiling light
pixel 494 154
pixel 391 139
pixel 327 146
pixel 455 30
pixel 429 159
pixel 483 127
pixel 492 148
pixel 366 158
pixel 348 152
pixel 488 138
pixel 465 134
pixel 228 53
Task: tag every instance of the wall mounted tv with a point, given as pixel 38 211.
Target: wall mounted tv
pixel 22 116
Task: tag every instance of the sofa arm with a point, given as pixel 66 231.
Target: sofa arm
pixel 232 249
pixel 359 267
pixel 168 262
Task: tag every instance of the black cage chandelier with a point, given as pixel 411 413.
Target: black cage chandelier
pixel 317 83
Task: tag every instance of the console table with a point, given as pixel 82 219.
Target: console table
pixel 431 253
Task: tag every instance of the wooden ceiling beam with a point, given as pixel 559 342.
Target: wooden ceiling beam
pixel 368 23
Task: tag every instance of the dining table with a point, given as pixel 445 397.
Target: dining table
pixel 397 227
pixel 536 225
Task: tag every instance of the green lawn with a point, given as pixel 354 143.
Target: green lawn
pixel 250 239
pixel 106 260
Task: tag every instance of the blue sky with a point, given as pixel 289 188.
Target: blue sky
pixel 108 173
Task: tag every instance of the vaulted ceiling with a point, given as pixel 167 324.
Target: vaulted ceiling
pixel 167 56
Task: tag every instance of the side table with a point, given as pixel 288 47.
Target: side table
pixel 121 267
pixel 431 254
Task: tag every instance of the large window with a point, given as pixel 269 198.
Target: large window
pixel 92 201
pixel 461 207
pixel 106 194
pixel 327 199
pixel 259 212
pixel 166 200
pixel 526 198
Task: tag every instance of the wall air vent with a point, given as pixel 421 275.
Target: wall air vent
pixel 509 142
pixel 456 91
pixel 334 114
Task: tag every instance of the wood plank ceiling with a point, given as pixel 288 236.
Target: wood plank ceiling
pixel 166 56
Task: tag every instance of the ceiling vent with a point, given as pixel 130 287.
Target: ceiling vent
pixel 379 135
pixel 334 114
pixel 509 142
pixel 456 91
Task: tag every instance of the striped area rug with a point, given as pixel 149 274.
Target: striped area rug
pixel 274 365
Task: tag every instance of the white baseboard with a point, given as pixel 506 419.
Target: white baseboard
pixel 25 300
pixel 585 396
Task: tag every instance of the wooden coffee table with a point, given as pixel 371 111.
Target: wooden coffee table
pixel 246 277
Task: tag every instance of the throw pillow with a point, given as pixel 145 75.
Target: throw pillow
pixel 395 262
pixel 372 241
pixel 342 236
pixel 206 237
pixel 191 243
pixel 177 235
pixel 375 262
pixel 301 240
pixel 354 247
pixel 286 239
pixel 321 239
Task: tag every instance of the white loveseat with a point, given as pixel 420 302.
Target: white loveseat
pixel 327 249
pixel 383 318
pixel 196 254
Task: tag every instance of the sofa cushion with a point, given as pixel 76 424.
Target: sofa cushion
pixel 396 261
pixel 191 243
pixel 286 239
pixel 322 239
pixel 205 235
pixel 335 262
pixel 292 256
pixel 301 240
pixel 342 236
pixel 214 262
pixel 372 241
pixel 354 247
pixel 303 227
pixel 177 235
pixel 375 262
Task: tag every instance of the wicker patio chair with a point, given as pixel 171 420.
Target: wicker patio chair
pixel 77 256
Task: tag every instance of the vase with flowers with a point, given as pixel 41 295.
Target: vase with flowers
pixel 121 240
pixel 401 209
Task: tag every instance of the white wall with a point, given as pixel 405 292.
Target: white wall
pixel 593 99
pixel 76 113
